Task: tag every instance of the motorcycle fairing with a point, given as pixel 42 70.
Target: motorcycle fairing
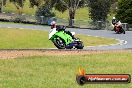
pixel 67 38
pixel 52 32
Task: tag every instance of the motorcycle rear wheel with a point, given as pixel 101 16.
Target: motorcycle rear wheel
pixel 123 31
pixel 80 45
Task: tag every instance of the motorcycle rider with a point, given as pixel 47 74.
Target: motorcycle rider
pixel 117 25
pixel 114 20
pixel 61 27
pixel 53 24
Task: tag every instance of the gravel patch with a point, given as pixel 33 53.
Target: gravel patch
pixel 11 54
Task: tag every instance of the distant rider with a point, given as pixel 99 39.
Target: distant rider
pixel 114 22
pixel 117 25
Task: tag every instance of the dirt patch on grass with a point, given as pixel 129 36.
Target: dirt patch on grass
pixel 11 54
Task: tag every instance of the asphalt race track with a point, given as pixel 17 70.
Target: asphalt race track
pixel 125 40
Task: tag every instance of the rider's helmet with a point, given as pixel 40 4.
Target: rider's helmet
pixel 53 24
pixel 113 17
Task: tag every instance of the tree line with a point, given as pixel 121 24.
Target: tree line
pixel 98 9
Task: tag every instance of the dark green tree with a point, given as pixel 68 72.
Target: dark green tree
pixel 36 3
pixel 2 4
pixel 124 12
pixel 19 5
pixel 70 5
pixel 99 9
pixel 44 13
pixel 113 7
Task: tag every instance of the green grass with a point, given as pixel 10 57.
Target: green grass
pixel 81 14
pixel 130 29
pixel 95 41
pixel 10 7
pixel 60 71
pixel 26 38
pixel 81 18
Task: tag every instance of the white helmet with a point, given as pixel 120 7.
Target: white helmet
pixel 113 17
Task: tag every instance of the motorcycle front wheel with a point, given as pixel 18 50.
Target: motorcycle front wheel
pixel 59 43
pixel 123 31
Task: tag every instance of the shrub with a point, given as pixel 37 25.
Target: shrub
pixel 99 9
pixel 124 12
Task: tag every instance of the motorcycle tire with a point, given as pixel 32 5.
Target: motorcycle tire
pixel 59 43
pixel 80 45
pixel 123 31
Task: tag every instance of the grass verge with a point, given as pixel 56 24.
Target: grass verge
pixel 60 71
pixel 130 29
pixel 11 38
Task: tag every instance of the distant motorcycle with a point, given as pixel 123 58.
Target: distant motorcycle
pixel 118 28
pixel 64 39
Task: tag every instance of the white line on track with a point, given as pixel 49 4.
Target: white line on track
pixel 120 42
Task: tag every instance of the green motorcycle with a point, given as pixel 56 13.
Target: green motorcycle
pixel 64 39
